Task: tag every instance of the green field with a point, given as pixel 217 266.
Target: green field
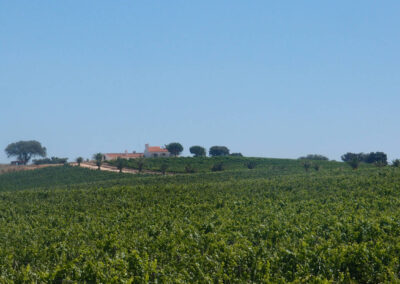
pixel 275 223
pixel 204 164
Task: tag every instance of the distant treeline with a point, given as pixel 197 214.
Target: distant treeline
pixel 314 157
pixel 371 158
pixel 52 160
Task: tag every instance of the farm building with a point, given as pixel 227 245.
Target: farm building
pixel 155 151
pixel 126 155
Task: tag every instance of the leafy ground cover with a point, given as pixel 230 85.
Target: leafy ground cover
pixel 52 177
pixel 234 226
pixel 205 164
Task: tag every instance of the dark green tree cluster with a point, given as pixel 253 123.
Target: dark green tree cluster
pixel 174 148
pixel 52 160
pixel 396 163
pixel 197 151
pixel 377 158
pixel 314 157
pixel 216 151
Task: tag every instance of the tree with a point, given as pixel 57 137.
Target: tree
pixel 120 164
pixel 174 148
pixel 351 156
pixel 163 168
pixel 79 160
pixel 99 159
pixel 314 157
pixel 396 163
pixel 140 164
pixel 25 150
pixel 217 167
pixel 377 158
pixel 53 160
pixel 236 155
pixel 197 151
pixel 251 165
pixel 189 169
pixel 218 151
pixel 354 163
pixel 307 166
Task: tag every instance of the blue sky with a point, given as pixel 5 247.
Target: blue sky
pixel 265 78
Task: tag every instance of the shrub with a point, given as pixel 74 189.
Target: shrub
pixel 217 167
pixel 236 155
pixel 251 165
pixel 189 169
pixel 140 164
pixel 306 166
pixel 53 160
pixel 315 157
pixel 163 168
pixel 354 163
pixel 396 163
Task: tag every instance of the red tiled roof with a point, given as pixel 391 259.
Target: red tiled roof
pixel 157 149
pixel 124 155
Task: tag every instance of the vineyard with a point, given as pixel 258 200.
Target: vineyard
pixel 275 223
pixel 205 164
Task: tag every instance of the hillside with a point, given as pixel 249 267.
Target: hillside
pixel 237 225
pixel 204 164
pixel 50 177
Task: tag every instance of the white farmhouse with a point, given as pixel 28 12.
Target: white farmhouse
pixel 155 151
pixel 126 155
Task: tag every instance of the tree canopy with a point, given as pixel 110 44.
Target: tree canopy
pixel 315 157
pixel 197 151
pixel 378 158
pixel 25 150
pixel 218 151
pixel 120 163
pixel 174 148
pixel 98 159
pixel 52 160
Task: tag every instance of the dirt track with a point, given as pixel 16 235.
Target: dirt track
pixel 114 169
pixel 88 165
pixel 11 168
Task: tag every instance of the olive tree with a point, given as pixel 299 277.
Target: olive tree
pixel 25 150
pixel 120 163
pixel 98 159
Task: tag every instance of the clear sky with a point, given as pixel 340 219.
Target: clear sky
pixel 265 78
